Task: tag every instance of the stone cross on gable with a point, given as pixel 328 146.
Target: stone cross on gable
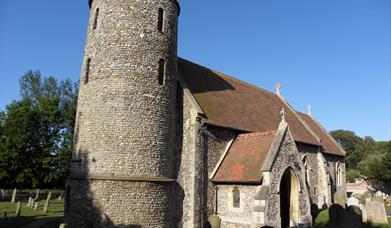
pixel 309 110
pixel 278 88
pixel 282 114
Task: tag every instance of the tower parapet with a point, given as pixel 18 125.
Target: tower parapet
pixel 124 128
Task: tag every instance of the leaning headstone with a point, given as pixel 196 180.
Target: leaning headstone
pixel 364 212
pixel 63 225
pixel 36 206
pixel 13 196
pixel 46 207
pixel 29 203
pixel 36 195
pixel 340 198
pixel 376 212
pixel 18 209
pixel 214 221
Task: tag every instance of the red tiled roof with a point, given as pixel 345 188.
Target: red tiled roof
pixel 232 103
pixel 329 145
pixel 244 159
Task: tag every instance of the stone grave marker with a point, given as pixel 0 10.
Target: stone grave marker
pixel 46 207
pixel 376 212
pixel 352 201
pixel 36 195
pixel 340 198
pixel 5 216
pixel 214 221
pixel 13 196
pixel 18 209
pixel 36 206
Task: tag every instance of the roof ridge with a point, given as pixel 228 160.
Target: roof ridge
pixel 231 77
pixel 327 134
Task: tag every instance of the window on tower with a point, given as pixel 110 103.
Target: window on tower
pixel 96 18
pixel 236 197
pixel 160 20
pixel 161 71
pixel 87 71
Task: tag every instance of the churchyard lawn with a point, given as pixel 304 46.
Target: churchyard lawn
pixel 322 220
pixel 30 218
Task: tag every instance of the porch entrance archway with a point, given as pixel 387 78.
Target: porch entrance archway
pixel 289 199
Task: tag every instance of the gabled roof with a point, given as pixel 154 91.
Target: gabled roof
pixel 244 159
pixel 232 103
pixel 328 143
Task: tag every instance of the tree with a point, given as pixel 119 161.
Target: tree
pixel 36 133
pixel 349 141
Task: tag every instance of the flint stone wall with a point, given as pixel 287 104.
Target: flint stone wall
pixel 100 203
pixel 236 217
pixel 286 157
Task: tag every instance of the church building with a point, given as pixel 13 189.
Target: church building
pixel 164 142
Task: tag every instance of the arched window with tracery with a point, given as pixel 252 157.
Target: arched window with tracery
pixel 235 197
pixel 339 173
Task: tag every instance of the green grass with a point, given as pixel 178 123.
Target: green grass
pixel 322 221
pixel 30 216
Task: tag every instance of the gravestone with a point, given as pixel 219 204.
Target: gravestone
pixel 376 212
pixel 352 201
pixel 18 209
pixel 13 196
pixel 364 213
pixel 46 207
pixel 340 198
pixel 352 217
pixel 5 216
pixel 36 195
pixel 30 202
pixel 336 213
pixel 214 221
pixel 36 206
pixel 2 194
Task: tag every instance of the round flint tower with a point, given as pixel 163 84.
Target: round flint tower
pixel 124 133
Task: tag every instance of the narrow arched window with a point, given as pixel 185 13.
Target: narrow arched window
pixel 87 71
pixel 235 197
pixel 161 71
pixel 96 18
pixel 160 20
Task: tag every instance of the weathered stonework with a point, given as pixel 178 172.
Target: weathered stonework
pixel 235 217
pixel 145 151
pixel 125 131
pixel 288 157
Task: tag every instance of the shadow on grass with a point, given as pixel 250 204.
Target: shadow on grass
pixel 32 222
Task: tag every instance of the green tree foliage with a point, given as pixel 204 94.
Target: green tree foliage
pixel 36 133
pixel 365 156
pixel 352 175
pixel 349 141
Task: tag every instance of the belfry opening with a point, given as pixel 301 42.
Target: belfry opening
pixel 289 199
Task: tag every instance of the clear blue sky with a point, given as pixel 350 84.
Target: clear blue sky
pixel 334 54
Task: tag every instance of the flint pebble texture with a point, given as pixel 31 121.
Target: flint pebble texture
pixel 125 117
